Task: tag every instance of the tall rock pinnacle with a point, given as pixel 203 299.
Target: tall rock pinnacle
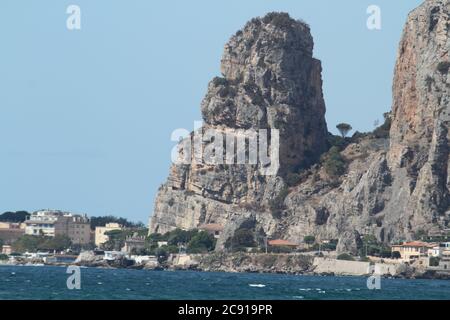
pixel 421 107
pixel 270 81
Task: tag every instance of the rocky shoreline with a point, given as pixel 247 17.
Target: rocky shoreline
pixel 294 264
pixel 244 263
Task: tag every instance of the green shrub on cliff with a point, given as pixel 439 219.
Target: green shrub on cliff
pixel 194 240
pixel 334 162
pixel 180 236
pixel 202 242
pixel 242 238
pixel 278 19
pixel 309 239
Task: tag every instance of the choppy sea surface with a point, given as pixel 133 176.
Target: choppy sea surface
pixel 50 283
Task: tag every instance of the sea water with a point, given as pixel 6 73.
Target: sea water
pixel 28 282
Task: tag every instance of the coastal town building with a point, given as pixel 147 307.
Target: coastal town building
pixel 444 262
pixel 282 243
pixel 445 247
pixel 53 223
pixel 10 232
pixel 6 249
pixel 213 229
pixel 101 237
pixel 133 244
pixel 42 223
pixel 76 227
pixel 413 250
pixel 435 251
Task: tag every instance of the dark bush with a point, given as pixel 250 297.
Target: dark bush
pixel 292 179
pixel 278 19
pixel 33 243
pixel 18 216
pixel 218 81
pixel 434 261
pixel 309 239
pixel 384 130
pixel 322 216
pixel 337 141
pixel 334 162
pixel 443 67
pixel 103 220
pixel 242 238
pixel 330 246
pixel 281 249
pixel 202 242
pixel 180 236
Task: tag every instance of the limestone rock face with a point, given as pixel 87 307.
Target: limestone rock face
pixel 270 81
pixel 393 186
pixel 421 106
pixel 403 188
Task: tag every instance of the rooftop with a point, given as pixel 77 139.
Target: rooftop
pixel 279 242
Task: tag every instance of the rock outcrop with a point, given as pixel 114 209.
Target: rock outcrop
pixel 270 81
pixel 421 105
pixel 393 185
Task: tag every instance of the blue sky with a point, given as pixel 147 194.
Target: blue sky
pixel 86 115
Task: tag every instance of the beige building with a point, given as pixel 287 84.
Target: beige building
pixel 413 250
pixel 10 232
pixel 100 237
pixel 133 244
pixel 53 223
pixel 76 227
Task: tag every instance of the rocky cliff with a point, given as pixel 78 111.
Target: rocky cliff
pixel 389 185
pixel 270 81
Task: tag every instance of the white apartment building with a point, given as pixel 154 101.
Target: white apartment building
pixel 42 223
pixel 52 223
